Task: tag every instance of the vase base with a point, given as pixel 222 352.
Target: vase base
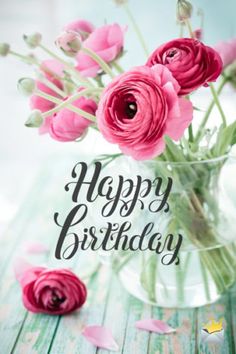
pixel 170 297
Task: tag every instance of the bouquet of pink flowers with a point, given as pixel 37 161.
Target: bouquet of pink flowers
pixel 145 110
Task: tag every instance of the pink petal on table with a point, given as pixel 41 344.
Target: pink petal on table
pixel 100 337
pixel 20 267
pixel 35 247
pixel 153 325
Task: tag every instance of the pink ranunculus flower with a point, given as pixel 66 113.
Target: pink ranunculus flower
pixel 51 291
pixel 83 27
pixel 138 108
pixel 227 51
pixel 192 63
pixel 107 42
pixel 69 126
pixel 52 70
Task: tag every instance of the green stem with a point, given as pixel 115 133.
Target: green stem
pixel 209 110
pixel 136 29
pixel 117 66
pixel 53 87
pixel 25 58
pixel 188 24
pixel 217 102
pixel 190 133
pixel 99 61
pixel 63 104
pixel 67 66
pixel 181 30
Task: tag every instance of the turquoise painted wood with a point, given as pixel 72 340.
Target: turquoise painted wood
pixel 108 303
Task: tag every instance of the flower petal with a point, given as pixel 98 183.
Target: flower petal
pixel 153 325
pixel 100 337
pixel 35 247
pixel 20 267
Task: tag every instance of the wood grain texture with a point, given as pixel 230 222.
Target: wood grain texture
pixel 108 303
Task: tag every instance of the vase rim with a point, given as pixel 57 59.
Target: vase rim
pixel 194 162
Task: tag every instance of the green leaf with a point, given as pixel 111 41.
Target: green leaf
pixel 225 139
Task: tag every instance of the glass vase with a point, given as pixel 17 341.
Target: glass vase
pixel 201 209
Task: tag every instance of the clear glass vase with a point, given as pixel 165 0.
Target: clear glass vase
pixel 201 209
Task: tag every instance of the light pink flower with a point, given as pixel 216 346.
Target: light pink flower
pixel 69 126
pixel 69 42
pixel 107 42
pixel 192 63
pixel 138 108
pixel 83 27
pixel 51 291
pixel 227 51
pixel 51 69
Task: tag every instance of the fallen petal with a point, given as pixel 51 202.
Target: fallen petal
pixel 100 337
pixel 20 267
pixel 153 325
pixel 35 247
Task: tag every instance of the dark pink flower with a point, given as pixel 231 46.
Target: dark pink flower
pixel 192 63
pixel 55 292
pixel 83 27
pixel 107 42
pixel 69 126
pixel 138 108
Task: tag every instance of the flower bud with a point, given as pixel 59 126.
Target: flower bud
pixel 35 119
pixel 120 2
pixel 198 34
pixel 26 86
pixel 231 73
pixel 69 42
pixel 32 40
pixel 184 10
pixel 4 49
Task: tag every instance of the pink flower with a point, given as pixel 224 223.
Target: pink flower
pixel 227 51
pixel 55 292
pixel 69 126
pixel 198 34
pixel 192 63
pixel 83 27
pixel 138 108
pixel 51 69
pixel 69 42
pixel 107 42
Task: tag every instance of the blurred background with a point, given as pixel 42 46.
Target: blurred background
pixel 23 153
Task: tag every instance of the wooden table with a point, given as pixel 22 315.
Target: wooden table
pixel 108 303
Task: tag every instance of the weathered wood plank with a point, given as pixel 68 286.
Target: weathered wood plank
pixel 216 311
pixel 116 314
pixel 232 299
pixel 136 341
pixel 68 338
pixel 32 225
pixel 183 341
pixel 108 303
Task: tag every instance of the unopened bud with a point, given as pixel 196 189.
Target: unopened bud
pixel 198 34
pixel 4 49
pixel 184 10
pixel 69 42
pixel 120 2
pixel 35 119
pixel 26 86
pixel 33 40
